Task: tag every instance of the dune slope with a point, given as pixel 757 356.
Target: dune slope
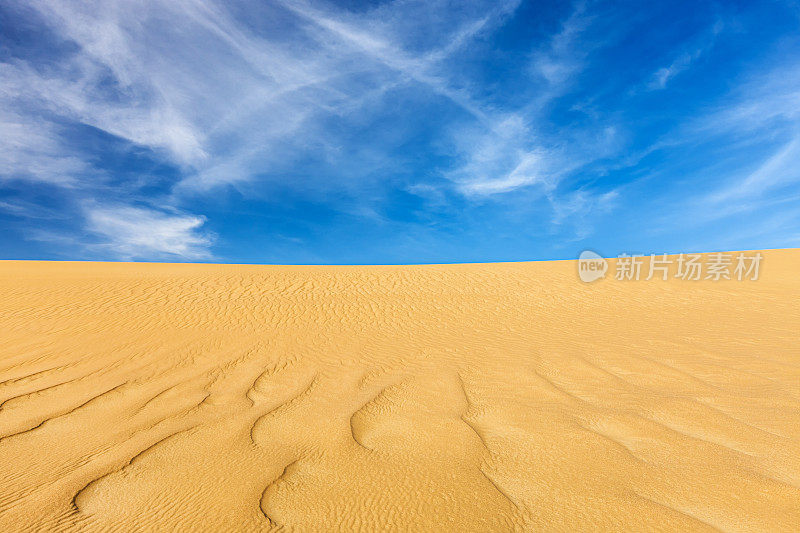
pixel 461 397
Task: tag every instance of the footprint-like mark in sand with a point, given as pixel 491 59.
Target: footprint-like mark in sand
pixel 282 406
pixel 259 391
pixel 79 497
pixel 365 420
pixel 270 490
pixel 466 416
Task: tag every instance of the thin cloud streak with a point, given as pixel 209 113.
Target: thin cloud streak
pixel 141 233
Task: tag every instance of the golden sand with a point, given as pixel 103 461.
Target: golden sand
pixel 463 397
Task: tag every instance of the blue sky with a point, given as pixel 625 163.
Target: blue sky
pixel 396 132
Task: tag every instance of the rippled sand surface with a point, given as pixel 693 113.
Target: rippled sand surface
pixel 463 397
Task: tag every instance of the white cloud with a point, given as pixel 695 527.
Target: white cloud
pixel 563 56
pixel 781 167
pixel 215 95
pixel 528 170
pixel 136 232
pixel 759 116
pixel 685 59
pixel 664 74
pixel 30 149
pixel 501 160
pixel 423 68
pixel 186 78
pixel 763 111
pixel 767 101
pixel 513 151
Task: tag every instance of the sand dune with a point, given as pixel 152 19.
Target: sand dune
pixel 463 397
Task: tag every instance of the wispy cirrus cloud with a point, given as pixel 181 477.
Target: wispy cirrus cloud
pixel 779 168
pixel 129 233
pixel 512 152
pixel 753 136
pixel 564 54
pixel 662 76
pixel 685 58
pixel 30 150
pixel 220 98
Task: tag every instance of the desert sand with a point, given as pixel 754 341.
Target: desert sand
pixel 484 397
